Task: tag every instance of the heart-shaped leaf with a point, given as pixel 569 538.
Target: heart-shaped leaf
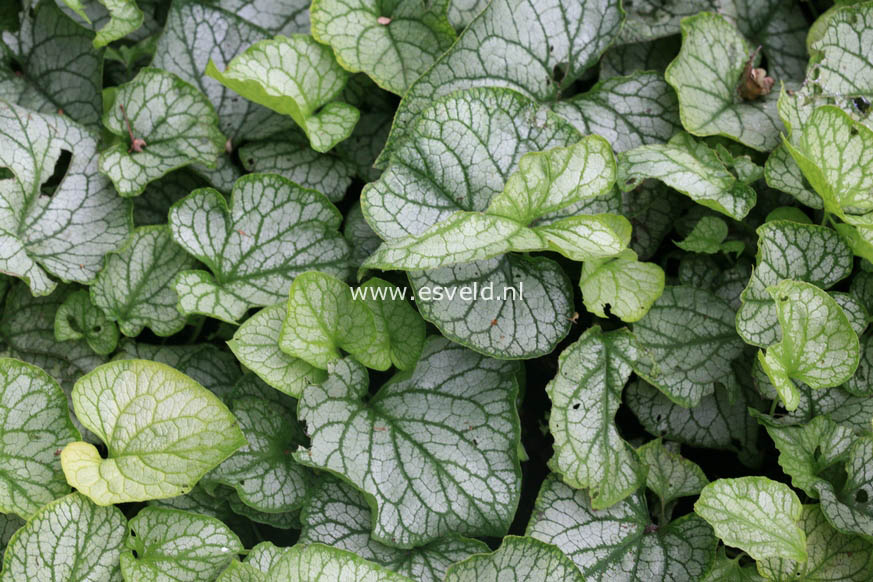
pixel 163 431
pixel 35 424
pixel 77 318
pixel 162 123
pixel 622 284
pixel 298 77
pixel 271 231
pixel 518 558
pixel 470 486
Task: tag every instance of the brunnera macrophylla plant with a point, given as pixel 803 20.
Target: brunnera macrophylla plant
pixel 436 290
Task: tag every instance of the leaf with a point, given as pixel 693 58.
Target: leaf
pixel 292 158
pixel 67 539
pixel 548 186
pixel 832 556
pixel 518 558
pixel 65 234
pixel 585 394
pixel 782 173
pixel 686 341
pixel 177 546
pixel 626 59
pixel 271 231
pixel 852 309
pixel 196 33
pixel 157 447
pixel 622 284
pixel 78 319
pixel 779 28
pixel 59 69
pixel 706 76
pixel 314 563
pixel 806 451
pixel 539 60
pixel 707 236
pixel 393 44
pixel 756 514
pixel 450 424
pixel 628 111
pixel 861 382
pixel 297 77
pixel 496 127
pixel 841 56
pixel 262 472
pixel 256 346
pixel 275 17
pixel 324 316
pixel 404 326
pixel 9 524
pixel 717 422
pixel 135 287
pixel 337 515
pixel 693 169
pixel 669 475
pixel 124 18
pixel 834 154
pixel 619 543
pixel 788 250
pixel 818 347
pixel 176 121
pixel 652 19
pixel 35 424
pixel 848 509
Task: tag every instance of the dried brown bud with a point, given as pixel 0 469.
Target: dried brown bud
pixel 754 82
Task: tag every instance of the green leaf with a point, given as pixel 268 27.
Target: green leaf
pixel 67 233
pixel 404 326
pixel 451 426
pixel 756 514
pixel 788 250
pixel 841 59
pixel 518 558
pixel 256 346
pixel 539 59
pixel 67 539
pixel 324 316
pixel 628 111
pixel 861 382
pixel 135 286
pixel 686 341
pixel 627 59
pixel 848 509
pixel 393 43
pixel 124 18
pixel 835 154
pixel 35 424
pixel 832 556
pixel 707 237
pixel 297 77
pixel 77 318
pixel 59 69
pixel 271 231
pixel 782 173
pixel 262 472
pixel 806 451
pixel 176 121
pixel 852 309
pixel 167 545
pixel 707 74
pixel 547 186
pixel 731 569
pixel 818 347
pixel 668 474
pixel 692 168
pixel 313 563
pixel 9 524
pixel 586 393
pixel 337 515
pixel 620 543
pixel 623 284
pixel 157 448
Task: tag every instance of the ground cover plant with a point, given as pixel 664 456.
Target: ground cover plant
pixel 436 290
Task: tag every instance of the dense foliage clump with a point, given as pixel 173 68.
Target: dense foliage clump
pixel 436 290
